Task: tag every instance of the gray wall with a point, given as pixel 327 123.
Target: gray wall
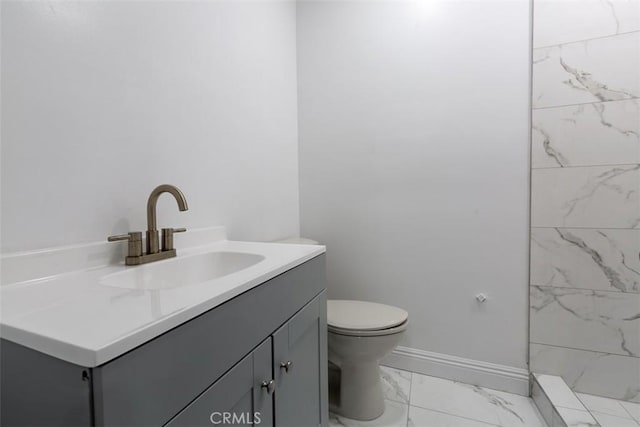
pixel 585 271
pixel 102 101
pixel 414 164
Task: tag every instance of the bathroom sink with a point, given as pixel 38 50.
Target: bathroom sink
pixel 81 303
pixel 180 272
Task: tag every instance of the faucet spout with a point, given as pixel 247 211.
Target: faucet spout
pixel 153 243
pixel 153 201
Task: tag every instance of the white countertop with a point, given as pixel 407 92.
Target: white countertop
pixel 71 316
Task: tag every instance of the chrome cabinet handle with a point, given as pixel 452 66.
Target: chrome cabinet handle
pixel 286 365
pixel 269 386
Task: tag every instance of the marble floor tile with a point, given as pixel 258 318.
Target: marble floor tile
pixel 420 417
pixel 611 421
pixel 633 409
pixel 396 384
pixel 576 418
pixel 567 21
pixel 473 402
pixel 603 69
pixel 588 371
pixel 603 405
pixel 395 415
pixel 592 197
pixel 602 133
pixel 606 322
pixel 586 258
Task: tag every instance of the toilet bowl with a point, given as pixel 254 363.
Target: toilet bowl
pixel 360 334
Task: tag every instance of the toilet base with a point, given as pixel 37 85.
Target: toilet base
pixel 355 356
pixel 359 391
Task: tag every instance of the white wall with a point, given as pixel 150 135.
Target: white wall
pixel 102 101
pixel 413 120
pixel 413 141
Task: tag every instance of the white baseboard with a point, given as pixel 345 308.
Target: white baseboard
pixel 483 374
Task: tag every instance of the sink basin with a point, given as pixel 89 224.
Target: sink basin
pixel 180 272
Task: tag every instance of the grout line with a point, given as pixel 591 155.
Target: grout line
pixel 585 166
pixel 584 228
pixel 584 405
pixel 588 351
pixel 588 39
pixel 584 103
pixel 453 415
pixel 579 104
pixel 584 289
pixel 629 413
pixel 592 412
pixel 529 183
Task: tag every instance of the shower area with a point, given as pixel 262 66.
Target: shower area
pixel 585 206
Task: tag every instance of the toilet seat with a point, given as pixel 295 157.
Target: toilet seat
pixel 362 318
pixel 368 333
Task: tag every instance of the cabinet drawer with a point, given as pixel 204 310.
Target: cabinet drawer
pixel 153 382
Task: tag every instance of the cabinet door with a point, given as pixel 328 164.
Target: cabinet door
pixel 300 367
pixel 238 398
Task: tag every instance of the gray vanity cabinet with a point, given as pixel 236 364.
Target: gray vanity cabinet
pixel 242 397
pixel 214 363
pixel 283 385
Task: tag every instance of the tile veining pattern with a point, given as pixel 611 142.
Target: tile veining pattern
pixel 415 400
pixel 585 205
pixel 611 412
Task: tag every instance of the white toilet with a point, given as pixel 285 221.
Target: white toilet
pixel 360 334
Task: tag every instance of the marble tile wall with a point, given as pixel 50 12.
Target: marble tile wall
pixel 585 195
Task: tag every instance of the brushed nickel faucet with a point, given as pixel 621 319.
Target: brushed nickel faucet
pixel 154 251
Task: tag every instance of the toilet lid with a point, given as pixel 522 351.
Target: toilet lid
pixel 364 316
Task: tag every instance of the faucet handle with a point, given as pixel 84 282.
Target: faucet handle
pixel 131 236
pixel 167 237
pixel 118 237
pixel 135 242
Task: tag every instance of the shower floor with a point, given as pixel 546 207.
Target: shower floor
pixel 611 412
pixel 561 406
